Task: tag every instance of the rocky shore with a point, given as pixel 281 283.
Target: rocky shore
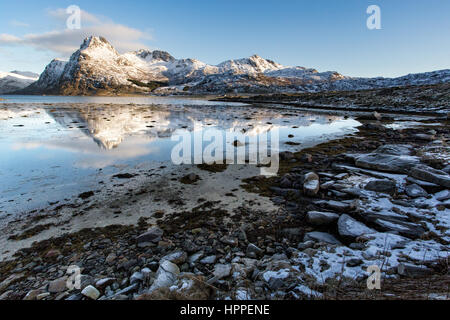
pixel 415 100
pixel 380 197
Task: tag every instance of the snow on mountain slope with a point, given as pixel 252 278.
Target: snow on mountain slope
pixel 97 68
pixel 50 77
pixel 11 81
pixel 253 65
pixel 97 65
pixel 26 74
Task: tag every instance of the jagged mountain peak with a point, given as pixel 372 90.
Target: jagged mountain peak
pixel 97 46
pixel 251 65
pixel 94 41
pixel 154 55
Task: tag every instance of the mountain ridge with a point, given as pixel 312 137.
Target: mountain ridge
pixel 97 68
pixel 16 80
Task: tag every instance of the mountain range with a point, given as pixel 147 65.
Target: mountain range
pixel 98 69
pixel 15 80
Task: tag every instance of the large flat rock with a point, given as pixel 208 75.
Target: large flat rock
pixel 396 149
pixel 322 218
pixel 321 237
pixel 429 174
pixel 386 162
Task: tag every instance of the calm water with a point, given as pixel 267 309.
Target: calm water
pixel 53 148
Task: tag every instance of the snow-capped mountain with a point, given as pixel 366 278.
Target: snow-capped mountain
pixel 16 80
pixel 253 65
pixel 50 77
pixel 26 74
pixel 97 68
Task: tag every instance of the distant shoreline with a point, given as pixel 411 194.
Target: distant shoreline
pixel 200 96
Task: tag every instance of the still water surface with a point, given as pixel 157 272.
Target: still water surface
pixel 53 148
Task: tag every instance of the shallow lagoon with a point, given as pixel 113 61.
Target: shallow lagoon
pixel 55 147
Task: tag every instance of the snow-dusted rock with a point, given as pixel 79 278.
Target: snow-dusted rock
pixel 91 293
pixel 415 191
pixel 166 275
pixel 350 228
pixel 443 195
pixel 386 162
pixel 208 260
pixel 136 277
pixel 311 185
pixel 222 270
pixel 195 257
pixel 321 237
pixel 429 174
pixel 395 149
pixel 397 226
pixel 177 257
pixel 49 79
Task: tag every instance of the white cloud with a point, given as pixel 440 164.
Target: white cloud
pixel 16 23
pixel 7 38
pixel 64 41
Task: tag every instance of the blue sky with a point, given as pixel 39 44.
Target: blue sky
pixel 326 35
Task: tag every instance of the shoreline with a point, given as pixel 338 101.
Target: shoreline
pixel 260 237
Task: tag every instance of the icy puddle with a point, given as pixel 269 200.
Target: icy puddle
pixel 52 148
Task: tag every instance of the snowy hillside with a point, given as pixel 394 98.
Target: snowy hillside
pixel 16 80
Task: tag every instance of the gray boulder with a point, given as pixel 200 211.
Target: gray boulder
pixel 253 251
pixel 410 270
pixel 336 205
pixel 321 218
pixel 396 226
pixel 154 235
pixel 383 186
